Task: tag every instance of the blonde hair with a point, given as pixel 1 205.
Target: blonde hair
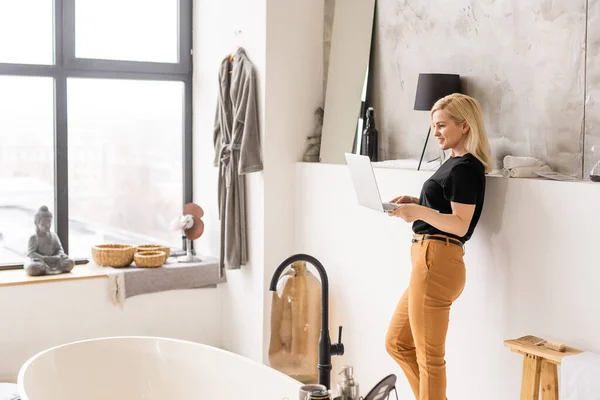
pixel 462 108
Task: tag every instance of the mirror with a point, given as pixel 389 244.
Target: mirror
pixel 361 117
pixel 346 78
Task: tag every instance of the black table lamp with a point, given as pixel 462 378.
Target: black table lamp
pixel 431 88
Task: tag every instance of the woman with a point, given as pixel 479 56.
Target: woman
pixel 443 218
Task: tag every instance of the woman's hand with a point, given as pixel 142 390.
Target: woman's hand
pixel 404 200
pixel 408 212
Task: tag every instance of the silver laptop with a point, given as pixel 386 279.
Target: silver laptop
pixel 365 185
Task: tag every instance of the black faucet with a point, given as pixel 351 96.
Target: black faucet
pixel 326 349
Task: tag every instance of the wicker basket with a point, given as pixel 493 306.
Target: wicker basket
pixel 149 259
pixel 113 255
pixel 155 247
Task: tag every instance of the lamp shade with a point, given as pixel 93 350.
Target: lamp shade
pixel 432 87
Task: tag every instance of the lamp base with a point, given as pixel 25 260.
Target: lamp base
pixel 442 156
pixel 424 147
pixel 189 257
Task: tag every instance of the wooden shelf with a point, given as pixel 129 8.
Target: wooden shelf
pixel 19 277
pixel 526 345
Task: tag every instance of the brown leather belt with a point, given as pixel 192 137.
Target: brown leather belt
pixel 439 238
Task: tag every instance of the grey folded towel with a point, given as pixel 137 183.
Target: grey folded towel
pixel 133 281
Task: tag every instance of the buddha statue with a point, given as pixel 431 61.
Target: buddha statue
pixel 44 250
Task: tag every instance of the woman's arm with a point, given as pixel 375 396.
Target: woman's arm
pixel 456 223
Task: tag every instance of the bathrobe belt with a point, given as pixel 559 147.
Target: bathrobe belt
pixel 226 160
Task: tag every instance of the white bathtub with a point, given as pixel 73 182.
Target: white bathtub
pixel 136 368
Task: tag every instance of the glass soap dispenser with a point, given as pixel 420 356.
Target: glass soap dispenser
pixel 347 386
pixel 296 324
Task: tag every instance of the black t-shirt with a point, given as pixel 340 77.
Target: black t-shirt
pixel 459 180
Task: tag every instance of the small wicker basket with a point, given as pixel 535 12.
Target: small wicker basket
pixel 113 255
pixel 149 259
pixel 155 247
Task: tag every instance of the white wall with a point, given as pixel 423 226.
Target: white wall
pixel 38 316
pixel 215 24
pixel 284 39
pixel 293 92
pixel 531 269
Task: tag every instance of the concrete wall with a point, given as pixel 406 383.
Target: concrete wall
pixel 526 62
pixel 592 103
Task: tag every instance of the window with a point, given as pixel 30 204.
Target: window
pixel 26 32
pixel 140 31
pixel 125 159
pixel 95 121
pixel 26 158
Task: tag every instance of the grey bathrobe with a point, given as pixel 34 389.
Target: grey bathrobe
pixel 237 152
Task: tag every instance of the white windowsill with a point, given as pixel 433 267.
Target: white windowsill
pixel 16 277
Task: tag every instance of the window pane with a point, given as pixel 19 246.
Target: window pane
pixel 26 31
pixel 125 162
pixel 131 30
pixel 26 160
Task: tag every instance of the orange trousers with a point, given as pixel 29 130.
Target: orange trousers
pixel 416 337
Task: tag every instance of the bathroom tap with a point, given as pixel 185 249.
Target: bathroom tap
pixel 326 349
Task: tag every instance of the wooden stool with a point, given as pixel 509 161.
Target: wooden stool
pixel 539 367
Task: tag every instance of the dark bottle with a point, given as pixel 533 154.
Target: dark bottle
pixel 595 172
pixel 369 143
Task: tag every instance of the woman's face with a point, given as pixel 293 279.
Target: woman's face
pixel 448 134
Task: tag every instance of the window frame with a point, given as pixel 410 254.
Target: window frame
pixel 66 65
